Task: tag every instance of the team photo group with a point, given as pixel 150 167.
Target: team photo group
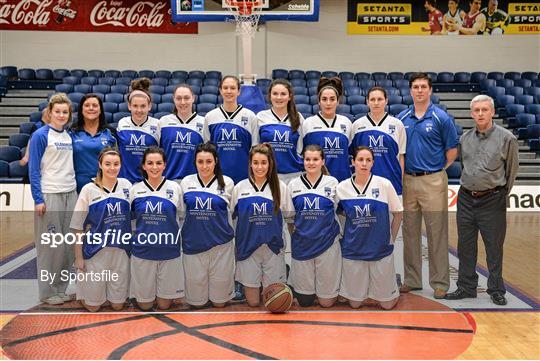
pixel 200 209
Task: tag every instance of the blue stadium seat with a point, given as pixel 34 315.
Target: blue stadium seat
pixel 505 83
pixel 533 108
pixel 312 90
pixel 82 88
pixel 534 144
pixel 514 90
pixel 407 99
pixel 210 89
pixel 75 97
pixel 501 102
pixel 432 75
pixel 366 84
pixel 160 115
pixel 495 75
pixel 485 84
pixel 4 170
pixel 156 98
pixel 169 89
pixel 27 74
pixel 395 109
pixel 522 120
pixel 408 75
pixel 401 83
pixel 315 108
pixel 345 75
pixel 158 89
pixel 359 108
pixel 208 98
pixel 343 108
pixel 395 75
pixel 297 74
pixel 101 88
pixel 180 74
pixel 495 91
pixel 454 172
pixel 213 74
pixel 119 88
pixel 385 83
pixel 196 89
pixel 147 74
pixel 306 114
pixel 303 108
pixel 313 74
pixel 17 171
pixel 44 74
pixel 300 90
pixel 531 90
pixel 203 108
pixel 445 77
pixel 114 98
pixel 167 98
pixel 531 75
pixel 165 107
pixel 194 81
pixel 356 99
pixel 123 81
pixel 108 117
pixel 163 74
pixel 362 76
pixel 298 82
pixel 329 73
pixel 312 82
pixel 110 107
pixel 263 82
pixel 533 131
pixel 513 75
pixel 130 74
pixel 391 91
pixel 523 83
pixel 404 91
pixel 107 81
pixel 42 105
pixel 9 153
pixel 96 73
pixel 354 90
pixel 27 128
pixel 212 81
pixel 90 80
pixel 301 99
pixel 80 73
pixel 462 77
pixel 119 115
pixel 459 129
pixel 313 99
pixel 19 140
pixel 347 83
pixel 59 74
pixel 378 75
pixel 198 74
pixel 525 99
pixel 63 88
pixel 123 107
pixel 395 99
pixel 513 109
pixel 9 72
pixel 160 81
pixel 177 81
pixel 113 73
pixel 348 115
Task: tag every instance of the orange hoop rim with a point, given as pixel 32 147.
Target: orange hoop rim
pixel 244 7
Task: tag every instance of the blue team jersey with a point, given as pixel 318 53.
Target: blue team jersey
pixel 315 223
pixel 367 218
pixel 233 135
pixel 334 139
pixel 256 221
pixel 133 140
pixel 157 232
pixel 179 139
pixel 287 145
pixel 106 215
pixel 207 220
pixel 388 140
pixel 86 148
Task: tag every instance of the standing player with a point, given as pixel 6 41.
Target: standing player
pixel 103 210
pixel 316 255
pixel 368 238
pixel 156 266
pixel 496 19
pixel 207 233
pixel 435 17
pixel 474 22
pixel 331 131
pixel 257 204
pixel 180 133
pixel 233 129
pixel 52 179
pixel 281 127
pixel 137 132
pixel 454 15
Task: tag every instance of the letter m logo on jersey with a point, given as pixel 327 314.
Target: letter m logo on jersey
pixel 376 142
pixel 134 140
pixel 183 138
pixel 156 208
pixel 281 137
pixel 228 135
pixel 331 143
pixel 114 209
pixel 312 204
pixel 259 209
pixel 203 204
pixel 362 212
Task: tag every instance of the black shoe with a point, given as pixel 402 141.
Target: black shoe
pixel 459 294
pixel 239 292
pixel 498 299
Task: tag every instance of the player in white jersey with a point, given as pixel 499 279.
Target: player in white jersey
pixel 207 232
pixel 156 266
pixel 454 15
pixel 233 129
pixel 385 135
pixel 102 216
pixel 368 238
pixel 52 180
pixel 331 131
pixel 281 127
pixel 257 203
pixel 180 133
pixel 138 131
pixel 316 254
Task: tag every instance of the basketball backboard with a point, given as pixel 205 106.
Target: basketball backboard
pixel 216 10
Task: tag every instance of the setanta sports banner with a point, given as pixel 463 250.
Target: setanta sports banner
pixel 453 17
pixel 128 16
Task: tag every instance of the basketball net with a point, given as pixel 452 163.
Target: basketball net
pixel 246 16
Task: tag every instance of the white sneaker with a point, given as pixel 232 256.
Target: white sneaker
pixel 54 300
pixel 64 297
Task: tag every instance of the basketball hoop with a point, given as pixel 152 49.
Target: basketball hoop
pixel 246 15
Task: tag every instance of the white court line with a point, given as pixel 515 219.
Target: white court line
pixel 17 262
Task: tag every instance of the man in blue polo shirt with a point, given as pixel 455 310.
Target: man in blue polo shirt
pixel 431 148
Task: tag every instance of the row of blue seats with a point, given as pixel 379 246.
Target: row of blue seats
pixel 125 81
pixel 534 144
pixel 529 132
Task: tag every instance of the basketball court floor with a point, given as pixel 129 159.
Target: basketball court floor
pixel 420 327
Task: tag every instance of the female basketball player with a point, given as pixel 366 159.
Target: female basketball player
pixel 207 233
pixel 368 239
pixel 137 132
pixel 280 126
pixel 329 130
pixel 90 135
pixel 180 133
pixel 52 180
pixel 233 129
pixel 316 255
pixel 103 213
pixel 156 267
pixel 257 204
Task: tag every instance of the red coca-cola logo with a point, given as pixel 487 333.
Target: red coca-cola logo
pixel 27 12
pixel 142 14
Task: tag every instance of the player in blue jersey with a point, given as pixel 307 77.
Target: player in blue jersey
pixel 52 180
pixel 138 131
pixel 257 203
pixel 368 238
pixel 207 234
pixel 233 129
pixel 180 133
pixel 156 266
pixel 102 214
pixel 330 130
pixel 281 127
pixel 316 254
pixel 90 135
pixel 385 135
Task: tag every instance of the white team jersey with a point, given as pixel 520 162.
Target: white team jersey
pixel 457 18
pixel 287 145
pixel 179 140
pixel 388 140
pixel 233 135
pixel 334 139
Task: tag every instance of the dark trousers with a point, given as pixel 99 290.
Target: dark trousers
pixel 487 215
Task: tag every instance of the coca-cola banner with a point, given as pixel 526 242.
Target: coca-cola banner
pixel 129 16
